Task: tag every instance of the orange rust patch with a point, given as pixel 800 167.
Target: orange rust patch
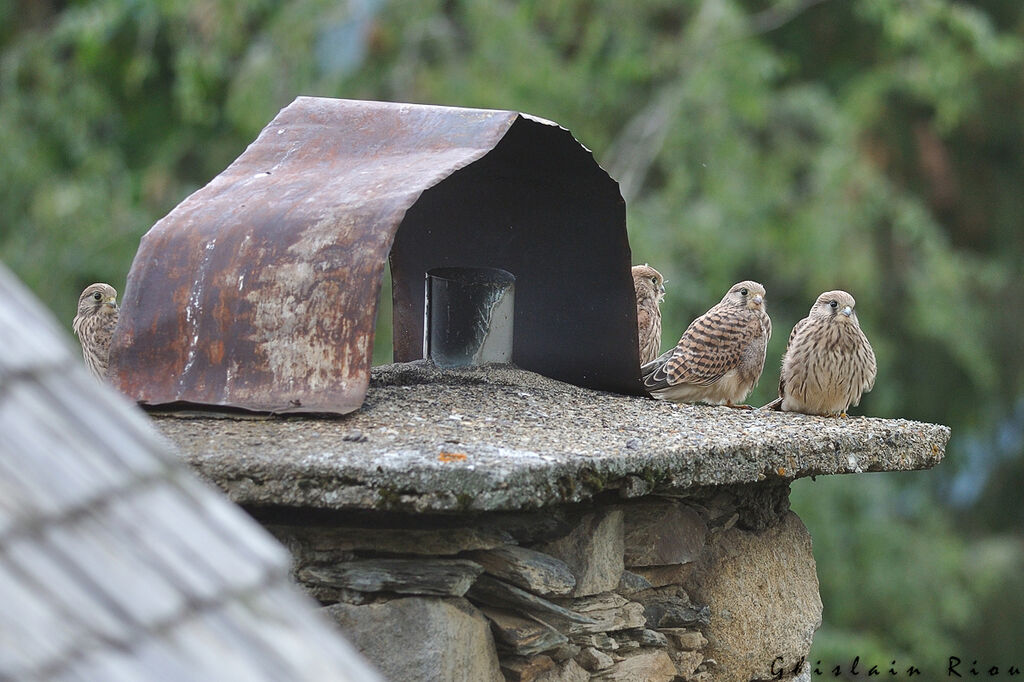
pixel 451 456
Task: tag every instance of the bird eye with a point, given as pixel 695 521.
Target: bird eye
pixel 743 292
pixel 833 304
pixel 654 281
pixel 97 296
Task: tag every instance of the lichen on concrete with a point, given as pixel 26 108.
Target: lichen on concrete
pixel 500 438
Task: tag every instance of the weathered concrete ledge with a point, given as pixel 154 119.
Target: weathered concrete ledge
pixel 499 438
pixel 705 575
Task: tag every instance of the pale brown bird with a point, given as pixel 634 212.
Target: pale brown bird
pixel 829 362
pixel 650 290
pixel 94 325
pixel 720 355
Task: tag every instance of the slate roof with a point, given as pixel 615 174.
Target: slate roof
pixel 116 563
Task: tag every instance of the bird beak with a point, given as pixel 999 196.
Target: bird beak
pixel 758 299
pixel 111 302
pixel 847 310
pixel 661 289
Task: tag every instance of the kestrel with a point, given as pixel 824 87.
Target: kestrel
pixel 650 290
pixel 94 325
pixel 720 355
pixel 828 362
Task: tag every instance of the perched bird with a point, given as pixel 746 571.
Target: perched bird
pixel 828 362
pixel 94 325
pixel 720 355
pixel 650 290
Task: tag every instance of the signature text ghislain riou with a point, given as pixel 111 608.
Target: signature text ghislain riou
pixel 955 667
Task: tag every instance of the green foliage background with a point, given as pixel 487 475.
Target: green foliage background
pixel 872 145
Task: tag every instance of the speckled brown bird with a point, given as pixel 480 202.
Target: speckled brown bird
pixel 94 324
pixel 650 290
pixel 720 355
pixel 829 362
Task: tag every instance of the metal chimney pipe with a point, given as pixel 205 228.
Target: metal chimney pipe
pixel 468 316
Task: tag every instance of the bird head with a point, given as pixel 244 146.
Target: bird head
pixel 97 298
pixel 648 282
pixel 837 305
pixel 746 294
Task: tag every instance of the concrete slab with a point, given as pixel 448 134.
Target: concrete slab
pixel 500 438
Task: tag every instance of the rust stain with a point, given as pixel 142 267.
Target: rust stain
pixel 216 352
pixel 451 456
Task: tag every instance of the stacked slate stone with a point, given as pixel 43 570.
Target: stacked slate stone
pixel 599 593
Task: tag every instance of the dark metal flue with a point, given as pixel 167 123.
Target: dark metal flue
pixel 468 316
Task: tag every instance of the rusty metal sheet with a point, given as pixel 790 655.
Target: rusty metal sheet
pixel 259 291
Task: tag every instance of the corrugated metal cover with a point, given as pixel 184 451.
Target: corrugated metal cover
pixel 259 291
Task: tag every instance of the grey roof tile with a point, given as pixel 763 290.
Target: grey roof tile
pixel 116 563
pixel 55 577
pixel 63 458
pixel 200 561
pixel 47 347
pixel 33 632
pixel 108 559
pixel 211 640
pixel 232 522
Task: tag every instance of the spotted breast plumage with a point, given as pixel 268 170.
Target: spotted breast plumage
pixel 720 356
pixel 650 290
pixel 829 363
pixel 94 325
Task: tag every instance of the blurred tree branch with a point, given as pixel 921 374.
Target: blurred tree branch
pixel 778 16
pixel 631 155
